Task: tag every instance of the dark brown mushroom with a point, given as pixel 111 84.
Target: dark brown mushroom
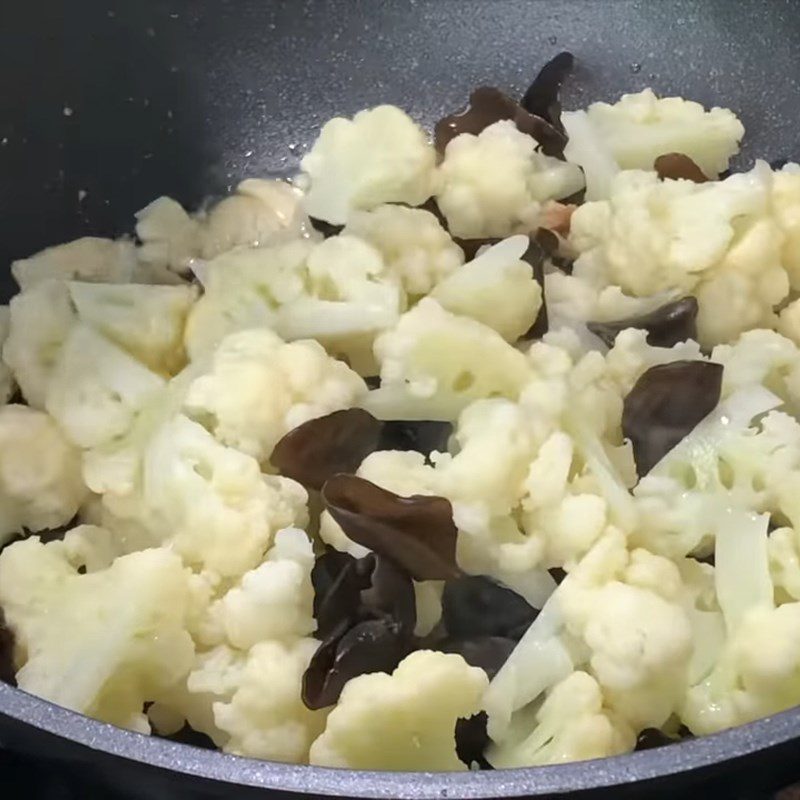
pixel 667 325
pixel 542 96
pixel 417 532
pixel 679 166
pixel 665 405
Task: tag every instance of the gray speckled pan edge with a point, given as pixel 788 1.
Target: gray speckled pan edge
pixel 126 101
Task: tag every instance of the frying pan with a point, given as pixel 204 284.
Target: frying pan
pixel 106 104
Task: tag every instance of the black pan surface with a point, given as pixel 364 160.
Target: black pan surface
pixel 106 104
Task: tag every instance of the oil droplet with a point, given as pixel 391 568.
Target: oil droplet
pixel 293 147
pixel 636 68
pixel 552 39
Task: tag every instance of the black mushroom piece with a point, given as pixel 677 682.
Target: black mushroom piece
pixel 417 533
pixel 366 613
pixel 327 229
pixel 6 652
pixel 542 96
pixel 338 443
pixel 665 405
pixel 488 105
pixel 370 646
pixel 477 606
pixel 679 166
pixel 651 738
pixel 667 325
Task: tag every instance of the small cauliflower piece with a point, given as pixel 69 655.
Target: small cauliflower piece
pixel 351 297
pixel 40 473
pixel 104 643
pixel 97 389
pixel 493 184
pixel 6 376
pixel 402 721
pixel 443 361
pixel 380 156
pixel 716 240
pixel 571 725
pixel 170 237
pixel 272 601
pixel 40 320
pixel 786 208
pixel 640 127
pixel 87 259
pixel 414 246
pixel 258 388
pixel 212 502
pixel 147 321
pixel 265 716
pixel 496 288
pixel 244 289
pixel 256 214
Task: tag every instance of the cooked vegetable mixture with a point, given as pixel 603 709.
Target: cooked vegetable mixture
pixel 471 450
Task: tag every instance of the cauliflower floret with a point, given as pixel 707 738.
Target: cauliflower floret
pixel 715 240
pixel 442 361
pixel 493 184
pixel 640 127
pixel 272 601
pixel 6 376
pixel 496 288
pixel 258 388
pixel 260 211
pixel 758 673
pixel 209 501
pixel 97 389
pixel 257 213
pixel 380 156
pixel 265 716
pixel 87 259
pixel 104 643
pixel 40 320
pixel 402 721
pixel 244 289
pixel 40 478
pixel 351 297
pixel 571 725
pixel 415 247
pixel 147 321
pixel 786 208
pixel 170 237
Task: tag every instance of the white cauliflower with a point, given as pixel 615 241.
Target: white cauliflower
pixel 402 721
pixel 40 473
pixel 147 321
pixel 258 388
pixel 433 363
pixel 351 297
pixel 380 156
pixel 87 259
pixel 264 716
pixel 6 376
pixel 640 127
pixel 260 212
pixel 209 501
pixel 415 247
pixel 40 320
pixel 715 240
pixel 97 389
pixel 104 643
pixel 571 725
pixel 786 208
pixel 272 601
pixel 496 288
pixel 244 289
pixel 493 184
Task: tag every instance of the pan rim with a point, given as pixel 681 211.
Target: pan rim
pixel 685 757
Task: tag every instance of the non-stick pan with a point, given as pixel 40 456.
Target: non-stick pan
pixel 106 104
